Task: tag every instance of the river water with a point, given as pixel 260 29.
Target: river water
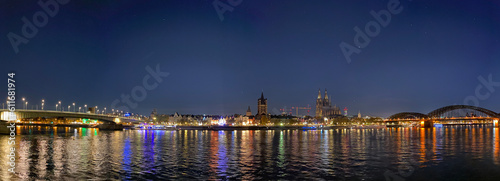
pixel 448 153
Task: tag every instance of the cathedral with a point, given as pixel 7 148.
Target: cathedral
pixel 324 106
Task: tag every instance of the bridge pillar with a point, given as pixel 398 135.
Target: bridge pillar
pixel 427 123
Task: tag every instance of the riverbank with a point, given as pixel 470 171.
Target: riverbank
pixel 3 127
pixel 100 126
pixel 231 128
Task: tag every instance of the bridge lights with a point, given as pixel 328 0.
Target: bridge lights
pixel 74 107
pixel 85 107
pixel 43 102
pixel 68 107
pixel 79 109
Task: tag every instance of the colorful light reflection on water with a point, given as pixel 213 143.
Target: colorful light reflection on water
pixel 455 152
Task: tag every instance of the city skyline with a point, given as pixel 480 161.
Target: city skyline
pixel 428 56
pixel 250 90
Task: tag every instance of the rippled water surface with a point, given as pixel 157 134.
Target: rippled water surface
pixel 449 153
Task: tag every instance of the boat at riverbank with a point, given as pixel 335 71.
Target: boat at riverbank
pixel 368 126
pixel 232 128
pixel 154 127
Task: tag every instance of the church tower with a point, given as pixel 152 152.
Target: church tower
pixel 153 115
pixel 326 102
pixel 249 112
pixel 319 105
pixel 262 105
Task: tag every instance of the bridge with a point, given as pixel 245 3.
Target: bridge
pixel 108 120
pixel 455 114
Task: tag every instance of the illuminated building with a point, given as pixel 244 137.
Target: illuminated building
pixel 324 106
pixel 153 115
pixel 249 112
pixel 262 105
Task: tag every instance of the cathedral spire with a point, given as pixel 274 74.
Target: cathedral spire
pixel 249 112
pixel 319 93
pixel 262 95
pixel 326 95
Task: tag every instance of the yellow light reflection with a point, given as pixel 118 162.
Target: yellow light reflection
pixel 496 146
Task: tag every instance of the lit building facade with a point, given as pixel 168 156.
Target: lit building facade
pixel 324 106
pixel 249 112
pixel 262 105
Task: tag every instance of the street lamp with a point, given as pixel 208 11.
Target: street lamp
pixel 24 100
pixel 43 102
pixel 105 110
pixel 74 107
pixel 56 106
pixel 68 107
pixel 79 109
pixel 26 104
pixel 60 105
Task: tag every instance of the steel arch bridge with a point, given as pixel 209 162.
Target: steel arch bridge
pixel 438 112
pixel 410 115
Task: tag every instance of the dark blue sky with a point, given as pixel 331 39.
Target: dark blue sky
pixel 430 55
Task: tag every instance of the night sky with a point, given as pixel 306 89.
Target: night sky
pixel 429 55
